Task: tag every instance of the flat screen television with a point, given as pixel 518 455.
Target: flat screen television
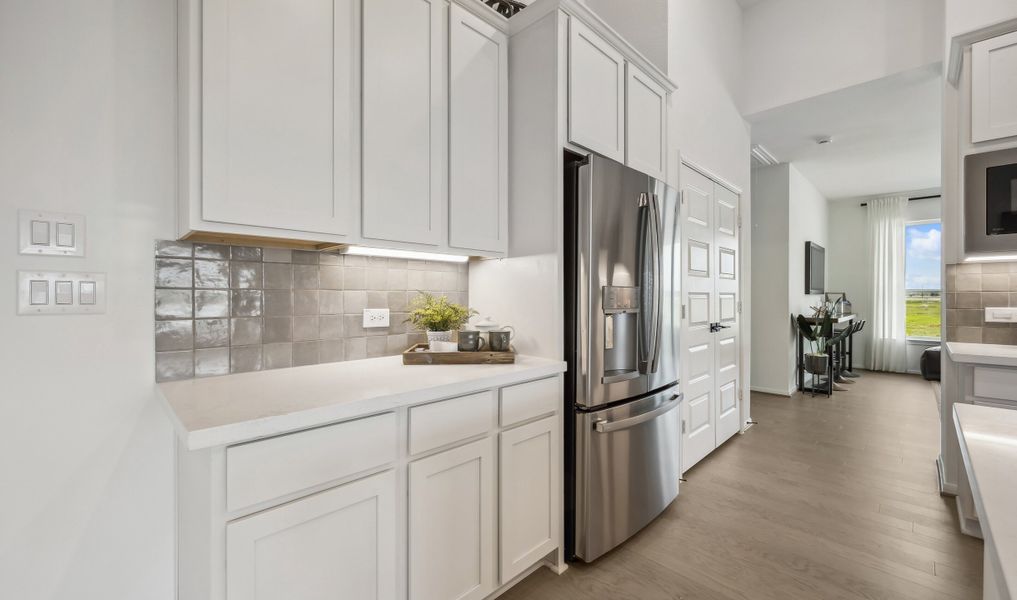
pixel 815 268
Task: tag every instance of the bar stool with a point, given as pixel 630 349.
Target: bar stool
pixel 856 328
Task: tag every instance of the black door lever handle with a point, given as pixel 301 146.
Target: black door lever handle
pixel 715 327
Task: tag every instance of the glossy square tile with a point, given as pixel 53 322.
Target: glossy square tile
pixel 244 359
pixel 397 279
pixel 354 302
pixel 209 362
pixel 212 274
pixel 246 303
pixel 245 253
pixel 245 331
pixel 277 356
pixel 174 335
pixel 209 303
pixel 396 344
pixel 211 333
pixel 212 251
pixel 174 273
pixel 356 348
pixel 330 302
pixel 415 280
pixel 377 299
pixel 278 276
pixel 377 279
pixel 305 302
pixel 305 257
pixel 305 277
pixel 330 277
pixel 330 351
pixel 246 275
pixel 354 261
pixel 330 327
pixel 276 255
pixel 170 366
pixel 173 304
pixel 354 278
pixel 278 303
pixel 173 249
pixel 397 301
pixel 305 353
pixel 278 329
pixel 377 346
pixel 305 328
pixel 330 258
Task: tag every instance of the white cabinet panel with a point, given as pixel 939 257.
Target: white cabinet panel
pixel 404 122
pixel 529 514
pixel 449 421
pixel 280 113
pixel 596 81
pixel 339 543
pixel 529 400
pixel 645 127
pixel 451 527
pixel 994 88
pixel 478 134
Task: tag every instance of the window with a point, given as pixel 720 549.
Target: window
pixel 922 258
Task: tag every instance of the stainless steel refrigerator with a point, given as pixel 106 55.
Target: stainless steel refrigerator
pixel 621 342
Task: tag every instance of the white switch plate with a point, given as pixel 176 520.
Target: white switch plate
pixel 375 317
pixel 1001 314
pixel 39 294
pixel 50 233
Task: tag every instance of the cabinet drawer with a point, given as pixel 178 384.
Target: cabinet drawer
pixel 260 471
pixel 529 400
pixel 440 423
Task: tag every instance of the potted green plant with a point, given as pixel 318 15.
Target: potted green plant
pixel 437 316
pixel 817 335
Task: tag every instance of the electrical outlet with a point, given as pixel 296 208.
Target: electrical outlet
pixel 375 317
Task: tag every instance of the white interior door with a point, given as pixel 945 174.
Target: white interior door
pixel 727 339
pixel 699 307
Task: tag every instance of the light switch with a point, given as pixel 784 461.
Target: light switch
pixel 63 292
pixel 39 292
pixel 65 235
pixel 40 233
pixel 86 293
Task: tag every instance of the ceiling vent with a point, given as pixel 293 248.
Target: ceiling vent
pixel 761 157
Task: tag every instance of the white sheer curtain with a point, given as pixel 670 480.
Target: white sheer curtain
pixel 886 250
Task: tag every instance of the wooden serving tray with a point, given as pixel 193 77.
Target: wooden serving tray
pixel 481 357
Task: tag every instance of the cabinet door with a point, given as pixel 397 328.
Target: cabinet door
pixel 339 543
pixel 994 88
pixel 451 528
pixel 404 139
pixel 478 134
pixel 596 93
pixel 280 89
pixel 529 509
pixel 645 126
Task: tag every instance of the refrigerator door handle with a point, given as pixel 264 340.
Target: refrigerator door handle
pixel 658 301
pixel 609 426
pixel 646 283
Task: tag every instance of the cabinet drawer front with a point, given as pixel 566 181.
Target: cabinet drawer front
pixel 260 471
pixel 1000 384
pixel 529 400
pixel 448 421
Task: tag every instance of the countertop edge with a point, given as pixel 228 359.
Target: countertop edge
pixel 246 431
pixel 958 355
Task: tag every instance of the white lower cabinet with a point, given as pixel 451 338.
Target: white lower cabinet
pixel 340 543
pixel 528 514
pixel 451 524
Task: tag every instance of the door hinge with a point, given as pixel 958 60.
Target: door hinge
pixel 739 307
pixel 683 426
pixel 739 221
pixel 739 393
pixel 683 311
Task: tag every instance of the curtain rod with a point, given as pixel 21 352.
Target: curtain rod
pixel 912 198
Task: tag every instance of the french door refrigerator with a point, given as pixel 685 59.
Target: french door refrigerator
pixel 622 431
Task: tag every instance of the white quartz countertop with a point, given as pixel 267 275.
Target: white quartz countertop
pixel 988 440
pixel 218 411
pixel 983 354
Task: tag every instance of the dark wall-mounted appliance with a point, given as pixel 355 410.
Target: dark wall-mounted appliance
pixel 990 201
pixel 815 268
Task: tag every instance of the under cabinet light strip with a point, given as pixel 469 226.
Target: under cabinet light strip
pixel 410 254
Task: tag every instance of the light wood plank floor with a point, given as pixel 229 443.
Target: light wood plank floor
pixel 824 498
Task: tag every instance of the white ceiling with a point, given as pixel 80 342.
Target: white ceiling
pixel 886 135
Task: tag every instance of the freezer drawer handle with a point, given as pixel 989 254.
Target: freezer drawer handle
pixel 609 426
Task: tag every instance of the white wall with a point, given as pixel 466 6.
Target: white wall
pixel 642 22
pixel 87 98
pixel 847 258
pixel 797 49
pixel 769 260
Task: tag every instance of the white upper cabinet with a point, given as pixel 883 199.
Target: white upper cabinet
pixel 279 113
pixel 404 120
pixel 645 123
pixel 994 88
pixel 340 543
pixel 596 88
pixel 478 134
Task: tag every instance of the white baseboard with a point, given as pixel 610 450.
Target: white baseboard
pixel 945 489
pixel 968 525
pixel 766 390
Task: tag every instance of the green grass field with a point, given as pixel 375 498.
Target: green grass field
pixel 923 318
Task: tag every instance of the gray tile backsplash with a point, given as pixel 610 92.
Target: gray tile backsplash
pixel 972 287
pixel 230 309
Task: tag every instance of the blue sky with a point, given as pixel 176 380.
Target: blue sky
pixel 922 259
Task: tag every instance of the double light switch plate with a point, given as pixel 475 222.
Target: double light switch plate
pixel 61 292
pixel 49 233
